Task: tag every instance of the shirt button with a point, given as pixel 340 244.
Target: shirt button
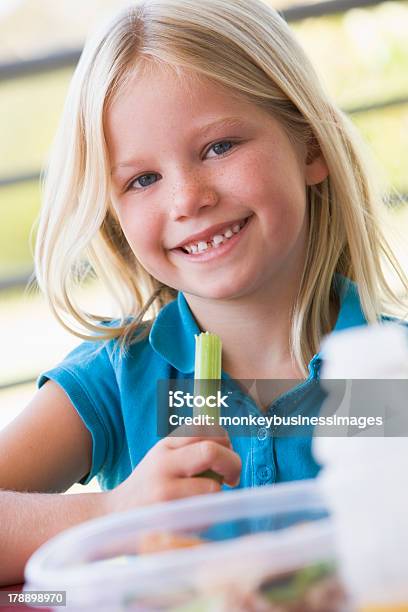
pixel 264 473
pixel 262 433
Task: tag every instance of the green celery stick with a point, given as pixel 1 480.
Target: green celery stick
pixel 207 378
pixel 207 370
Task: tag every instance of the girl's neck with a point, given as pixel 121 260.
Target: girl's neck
pixel 255 332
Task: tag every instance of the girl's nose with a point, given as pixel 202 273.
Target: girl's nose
pixel 191 195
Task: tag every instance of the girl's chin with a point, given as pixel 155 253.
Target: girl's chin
pixel 220 292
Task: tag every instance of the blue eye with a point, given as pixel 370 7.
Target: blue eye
pixel 220 148
pixel 145 180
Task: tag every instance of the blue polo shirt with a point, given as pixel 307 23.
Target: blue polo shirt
pixel 116 397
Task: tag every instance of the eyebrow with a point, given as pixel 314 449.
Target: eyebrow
pixel 226 122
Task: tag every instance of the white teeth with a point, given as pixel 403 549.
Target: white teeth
pixel 202 246
pixel 218 239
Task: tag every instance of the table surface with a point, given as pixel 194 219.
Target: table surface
pixel 17 588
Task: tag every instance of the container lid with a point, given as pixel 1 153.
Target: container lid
pixel 281 527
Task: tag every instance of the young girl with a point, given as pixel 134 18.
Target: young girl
pixel 201 173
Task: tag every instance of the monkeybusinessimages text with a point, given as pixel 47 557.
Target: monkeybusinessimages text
pixel 205 408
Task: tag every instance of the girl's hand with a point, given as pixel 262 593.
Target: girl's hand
pixel 169 471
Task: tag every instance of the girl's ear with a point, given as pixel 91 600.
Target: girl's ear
pixel 316 169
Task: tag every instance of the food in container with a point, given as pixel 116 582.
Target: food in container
pixel 270 548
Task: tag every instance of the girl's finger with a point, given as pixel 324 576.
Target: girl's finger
pixel 206 455
pixel 186 487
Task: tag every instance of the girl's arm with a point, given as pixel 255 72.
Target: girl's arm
pixel 45 449
pixel 48 448
pixel 29 519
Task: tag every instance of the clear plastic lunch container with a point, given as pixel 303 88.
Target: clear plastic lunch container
pixel 264 549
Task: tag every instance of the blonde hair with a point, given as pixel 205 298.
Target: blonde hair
pixel 247 47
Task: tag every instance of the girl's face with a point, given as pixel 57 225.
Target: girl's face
pixel 188 158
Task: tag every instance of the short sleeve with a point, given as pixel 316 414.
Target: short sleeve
pixel 88 377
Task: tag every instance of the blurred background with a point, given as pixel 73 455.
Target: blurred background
pixel 360 50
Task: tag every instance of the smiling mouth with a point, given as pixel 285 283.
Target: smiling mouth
pixel 216 241
pixel 211 251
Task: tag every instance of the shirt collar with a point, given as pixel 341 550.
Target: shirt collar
pixel 172 333
pixel 350 313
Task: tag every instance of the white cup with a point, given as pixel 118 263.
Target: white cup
pixel 365 479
